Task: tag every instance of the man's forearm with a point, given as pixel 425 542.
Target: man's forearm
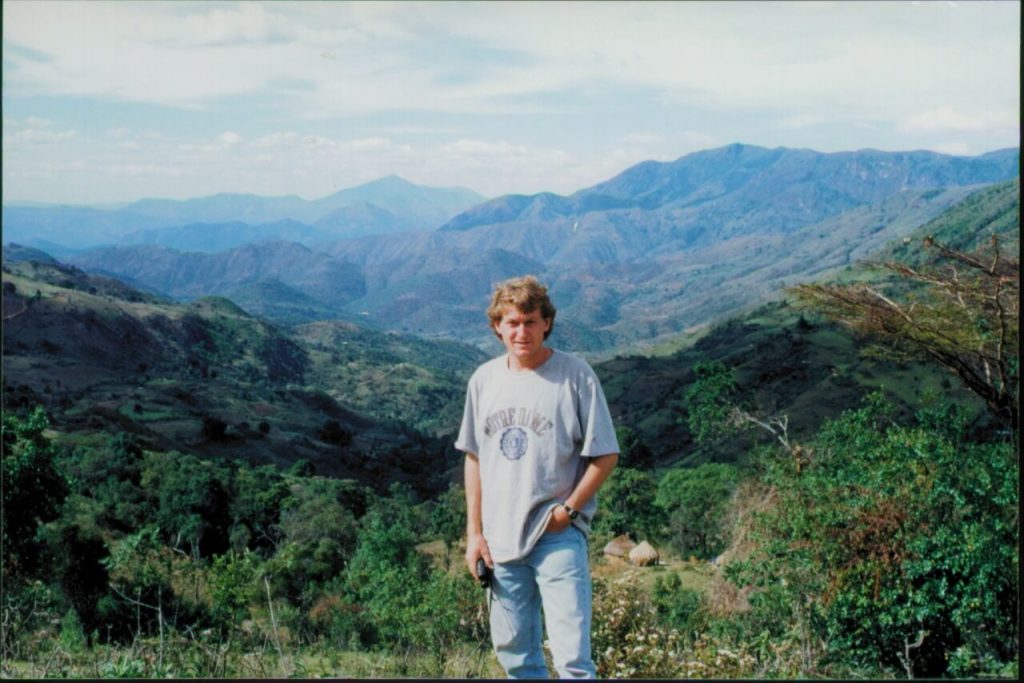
pixel 597 471
pixel 474 519
pixel 476 545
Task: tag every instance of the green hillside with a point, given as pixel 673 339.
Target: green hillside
pixel 786 363
pixel 395 377
pixel 209 379
pixel 967 226
pixel 190 491
pixel 792 362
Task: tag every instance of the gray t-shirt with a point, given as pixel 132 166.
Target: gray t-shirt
pixel 532 432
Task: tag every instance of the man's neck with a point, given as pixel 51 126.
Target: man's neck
pixel 531 363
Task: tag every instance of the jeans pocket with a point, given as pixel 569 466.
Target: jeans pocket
pixel 560 531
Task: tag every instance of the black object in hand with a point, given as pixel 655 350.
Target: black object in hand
pixel 483 573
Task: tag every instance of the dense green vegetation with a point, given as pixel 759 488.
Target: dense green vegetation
pixel 819 513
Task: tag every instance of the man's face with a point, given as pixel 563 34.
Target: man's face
pixel 522 333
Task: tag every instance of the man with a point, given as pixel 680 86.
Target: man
pixel 539 442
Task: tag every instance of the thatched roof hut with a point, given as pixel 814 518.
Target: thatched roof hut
pixel 644 555
pixel 619 547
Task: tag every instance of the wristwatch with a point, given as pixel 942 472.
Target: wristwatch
pixel 571 511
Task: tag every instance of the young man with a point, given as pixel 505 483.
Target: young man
pixel 539 442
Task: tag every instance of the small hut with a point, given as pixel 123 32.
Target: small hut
pixel 619 547
pixel 644 555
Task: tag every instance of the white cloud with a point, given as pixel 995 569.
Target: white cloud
pixel 949 119
pixel 288 139
pixel 229 138
pixel 881 58
pixel 246 22
pixel 642 138
pixel 954 148
pixel 479 94
pixel 33 131
pixel 801 121
pixel 371 143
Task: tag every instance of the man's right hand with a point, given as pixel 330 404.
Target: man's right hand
pixel 476 547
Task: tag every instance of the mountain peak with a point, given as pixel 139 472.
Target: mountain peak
pixel 390 181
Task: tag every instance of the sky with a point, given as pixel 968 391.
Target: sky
pixel 109 102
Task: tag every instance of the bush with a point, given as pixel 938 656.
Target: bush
pixel 631 640
pixel 627 505
pixel 695 500
pixel 677 607
pixel 627 640
pixel 892 541
pixel 33 491
pixel 395 598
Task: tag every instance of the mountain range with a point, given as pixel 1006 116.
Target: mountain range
pixel 790 362
pixel 223 221
pixel 661 248
pixel 207 377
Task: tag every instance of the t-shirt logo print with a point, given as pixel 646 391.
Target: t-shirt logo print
pixel 513 443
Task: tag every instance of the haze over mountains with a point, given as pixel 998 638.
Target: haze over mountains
pixel 655 251
pixel 118 353
pixel 223 221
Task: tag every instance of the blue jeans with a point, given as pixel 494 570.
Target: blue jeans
pixel 555 574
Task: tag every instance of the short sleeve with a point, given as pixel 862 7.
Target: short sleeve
pixel 467 432
pixel 595 418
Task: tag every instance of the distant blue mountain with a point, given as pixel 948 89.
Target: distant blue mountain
pixel 214 237
pixel 656 250
pixel 187 275
pixel 383 206
pixel 806 185
pixel 70 226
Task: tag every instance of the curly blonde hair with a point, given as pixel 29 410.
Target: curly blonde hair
pixel 524 293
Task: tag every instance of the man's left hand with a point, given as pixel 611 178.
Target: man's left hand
pixel 559 519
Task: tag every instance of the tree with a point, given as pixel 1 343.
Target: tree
pixel 627 504
pixel 33 489
pixel 192 502
pixel 387 575
pixel 635 453
pixel 214 429
pixel 333 433
pixel 716 410
pixel 710 400
pixel 963 314
pixel 112 476
pixel 318 531
pixel 448 519
pixel 258 493
pixel 695 500
pixel 896 545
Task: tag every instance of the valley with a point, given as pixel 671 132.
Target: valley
pixel 256 442
pixel 210 379
pixel 660 250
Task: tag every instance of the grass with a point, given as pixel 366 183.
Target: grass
pixel 695 575
pixel 181 657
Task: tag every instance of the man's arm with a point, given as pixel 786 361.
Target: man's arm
pixel 598 469
pixel 476 544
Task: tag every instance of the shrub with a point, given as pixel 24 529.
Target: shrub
pixel 627 640
pixel 627 505
pixel 677 607
pixel 896 545
pixel 696 500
